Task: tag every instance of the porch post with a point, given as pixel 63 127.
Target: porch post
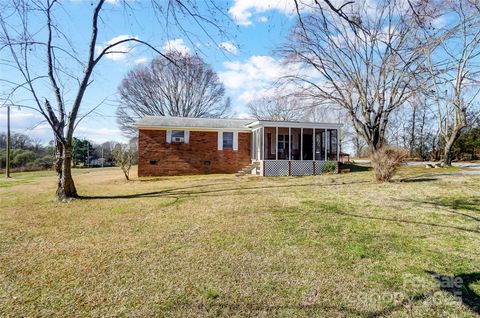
pixel 314 142
pixel 289 143
pixel 276 143
pixel 338 144
pixel 326 144
pixel 301 143
pixel 262 151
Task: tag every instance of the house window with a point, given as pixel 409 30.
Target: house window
pixel 178 136
pixel 228 140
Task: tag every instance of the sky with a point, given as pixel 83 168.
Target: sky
pixel 245 57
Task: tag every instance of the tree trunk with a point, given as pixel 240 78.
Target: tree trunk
pixel 66 190
pixel 447 152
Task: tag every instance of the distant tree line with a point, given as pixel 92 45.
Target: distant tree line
pixel 29 154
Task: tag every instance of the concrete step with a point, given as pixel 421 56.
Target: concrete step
pixel 247 169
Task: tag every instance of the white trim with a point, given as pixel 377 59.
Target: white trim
pixel 338 144
pixel 186 136
pixel 327 142
pixel 194 129
pixel 263 143
pixel 235 141
pixel 276 143
pixel 293 124
pixel 313 146
pixel 220 140
pixel 169 136
pixel 289 143
pixel 301 143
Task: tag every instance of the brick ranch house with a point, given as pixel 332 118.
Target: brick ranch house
pixel 170 146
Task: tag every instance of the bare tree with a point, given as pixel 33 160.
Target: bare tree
pixel 279 108
pixel 454 72
pixel 369 71
pixel 188 88
pixel 123 157
pixel 55 74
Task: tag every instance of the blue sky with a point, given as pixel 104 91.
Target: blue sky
pixel 244 59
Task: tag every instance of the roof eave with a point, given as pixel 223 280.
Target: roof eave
pixel 262 123
pixel 151 127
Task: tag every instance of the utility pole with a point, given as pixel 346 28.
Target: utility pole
pixel 88 153
pixel 103 159
pixel 7 155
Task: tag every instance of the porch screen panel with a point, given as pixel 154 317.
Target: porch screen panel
pixel 296 146
pixel 283 143
pixel 319 146
pixel 307 144
pixel 270 147
pixel 333 144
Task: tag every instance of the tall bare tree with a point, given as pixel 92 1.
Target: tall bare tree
pixel 454 69
pixel 49 67
pixel 369 70
pixel 188 88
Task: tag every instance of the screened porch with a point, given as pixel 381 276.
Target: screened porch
pixel 293 148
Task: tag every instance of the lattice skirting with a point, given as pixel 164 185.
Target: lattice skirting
pixel 293 168
pixel 276 168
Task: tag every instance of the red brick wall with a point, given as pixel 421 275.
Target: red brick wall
pixel 184 159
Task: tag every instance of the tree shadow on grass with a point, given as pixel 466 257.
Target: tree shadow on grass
pixel 469 204
pixel 414 180
pixel 355 167
pixel 185 191
pixel 394 220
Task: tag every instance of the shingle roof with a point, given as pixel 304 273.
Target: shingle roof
pixel 187 122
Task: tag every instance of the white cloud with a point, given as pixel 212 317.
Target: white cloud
pixel 99 135
pixel 118 52
pixel 253 78
pixel 243 115
pixel 20 118
pixel 257 77
pixel 243 10
pixel 141 60
pixel 229 47
pixel 263 19
pixel 177 45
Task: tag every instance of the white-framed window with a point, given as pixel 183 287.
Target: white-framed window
pixel 227 140
pixel 177 136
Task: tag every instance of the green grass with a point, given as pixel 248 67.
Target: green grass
pixel 23 178
pixel 217 245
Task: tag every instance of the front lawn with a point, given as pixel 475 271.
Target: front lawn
pixel 218 245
